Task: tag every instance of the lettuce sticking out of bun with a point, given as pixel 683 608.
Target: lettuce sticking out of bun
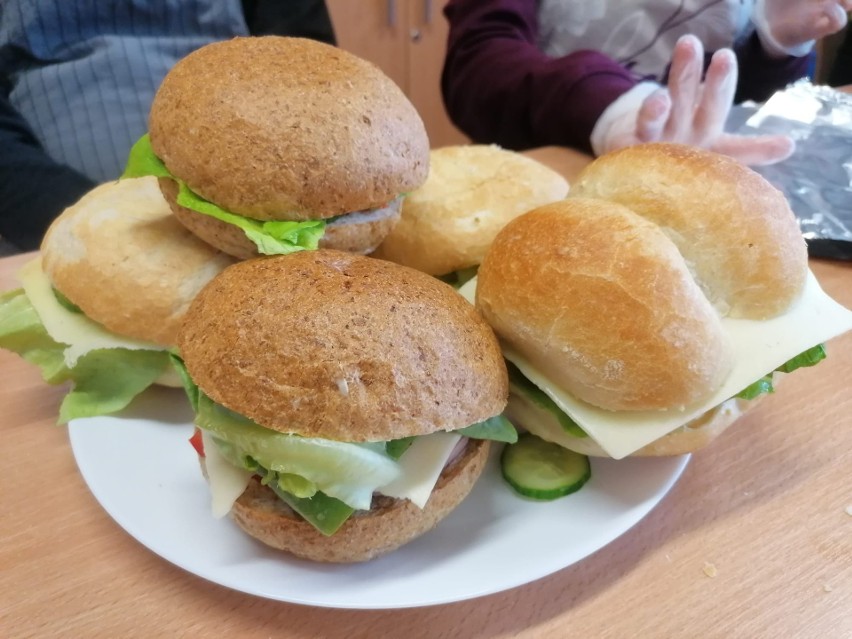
pixel 101 306
pixel 323 480
pixel 272 237
pixel 104 380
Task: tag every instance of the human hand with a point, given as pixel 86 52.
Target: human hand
pixel 689 111
pixel 789 27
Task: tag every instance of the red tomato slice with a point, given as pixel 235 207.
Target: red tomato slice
pixel 197 443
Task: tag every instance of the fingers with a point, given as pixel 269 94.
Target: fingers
pixel 755 150
pixel 652 116
pixel 717 96
pixel 684 87
pixel 838 16
pixel 813 21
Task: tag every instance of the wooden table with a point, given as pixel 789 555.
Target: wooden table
pixel 755 540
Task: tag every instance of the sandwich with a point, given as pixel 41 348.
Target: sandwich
pixel 102 304
pixel 644 313
pixel 344 405
pixel 269 145
pixel 472 191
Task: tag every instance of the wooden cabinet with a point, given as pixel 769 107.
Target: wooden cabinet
pixel 407 39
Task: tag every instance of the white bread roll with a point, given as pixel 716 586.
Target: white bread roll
pixel 600 301
pixel 471 193
pixel 734 229
pixel 618 301
pixel 121 256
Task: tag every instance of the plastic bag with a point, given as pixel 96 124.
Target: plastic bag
pixel 817 178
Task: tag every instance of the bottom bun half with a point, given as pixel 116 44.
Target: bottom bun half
pixel 687 439
pixel 389 524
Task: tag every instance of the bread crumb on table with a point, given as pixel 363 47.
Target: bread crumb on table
pixel 849 510
pixel 709 569
pixel 827 588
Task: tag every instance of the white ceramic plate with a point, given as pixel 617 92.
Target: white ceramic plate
pixel 145 474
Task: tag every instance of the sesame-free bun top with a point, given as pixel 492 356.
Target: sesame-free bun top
pixel 600 301
pixel 472 192
pixel 121 256
pixel 287 128
pixel 342 346
pixel 618 298
pixel 731 225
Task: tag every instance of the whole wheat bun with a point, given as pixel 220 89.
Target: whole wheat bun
pixel 689 438
pixel 359 232
pixel 601 302
pixel 471 193
pixel 342 346
pixel 389 524
pixel 120 255
pixel 287 128
pixel 731 225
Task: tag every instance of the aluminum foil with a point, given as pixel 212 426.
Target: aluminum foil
pixel 817 178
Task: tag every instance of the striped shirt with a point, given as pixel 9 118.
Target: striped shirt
pixel 83 74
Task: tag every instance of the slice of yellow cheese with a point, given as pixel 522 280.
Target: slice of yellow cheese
pixel 77 331
pixel 421 466
pixel 226 481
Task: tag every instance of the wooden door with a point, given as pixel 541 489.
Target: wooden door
pixel 427 49
pixel 376 30
pixel 407 40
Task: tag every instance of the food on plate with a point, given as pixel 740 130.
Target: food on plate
pixel 542 470
pixel 102 305
pixel 344 403
pixel 274 144
pixel 642 314
pixel 471 193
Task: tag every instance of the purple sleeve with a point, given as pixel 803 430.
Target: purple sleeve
pixel 498 87
pixel 761 75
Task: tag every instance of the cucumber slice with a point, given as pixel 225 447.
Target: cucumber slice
pixel 542 470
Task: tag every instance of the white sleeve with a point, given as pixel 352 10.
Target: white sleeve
pixel 772 46
pixel 615 122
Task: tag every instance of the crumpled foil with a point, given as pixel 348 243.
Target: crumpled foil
pixel 817 178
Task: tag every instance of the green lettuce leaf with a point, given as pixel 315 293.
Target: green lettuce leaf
pixel 764 385
pixel 520 384
pixel 396 447
pixel 104 381
pixel 496 428
pixel 272 237
pixel 324 513
pixel 189 386
pixel 22 332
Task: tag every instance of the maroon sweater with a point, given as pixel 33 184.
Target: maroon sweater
pixel 498 87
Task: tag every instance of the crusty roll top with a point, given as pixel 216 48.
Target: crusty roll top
pixel 602 303
pixel 287 128
pixel 342 346
pixel 472 192
pixel 735 230
pixel 121 256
